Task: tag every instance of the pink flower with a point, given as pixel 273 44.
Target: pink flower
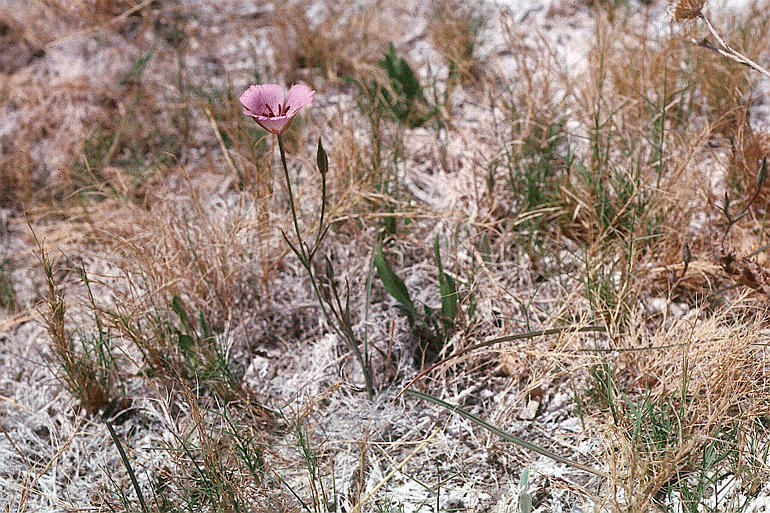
pixel 268 106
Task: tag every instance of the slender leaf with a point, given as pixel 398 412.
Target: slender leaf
pixel 525 499
pixel 507 436
pixel 762 175
pixel 205 328
pixel 447 288
pixel 186 342
pixel 127 464
pixel 178 308
pixel 393 284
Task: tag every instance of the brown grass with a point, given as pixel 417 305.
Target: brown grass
pixel 209 254
pixel 337 42
pixel 714 377
pixel 455 31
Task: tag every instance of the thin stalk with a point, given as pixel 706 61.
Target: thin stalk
pixel 321 230
pixel 728 51
pixel 127 464
pixel 509 437
pixel 291 198
pixel 305 258
pixel 351 343
pixel 369 280
pixel 499 340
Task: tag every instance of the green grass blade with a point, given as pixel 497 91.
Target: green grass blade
pixel 127 464
pixel 507 436
pixel 447 287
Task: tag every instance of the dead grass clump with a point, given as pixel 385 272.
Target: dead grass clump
pixel 15 175
pixel 356 179
pixel 607 194
pixel 99 116
pixel 36 23
pixel 37 133
pixel 749 149
pixel 592 206
pixel 51 157
pixel 19 52
pixel 124 149
pixel 635 183
pixel 244 148
pixel 723 94
pixel 337 39
pixel 109 8
pixel 43 22
pixel 209 457
pixel 650 77
pixel 182 277
pixel 206 252
pixel 526 174
pixel 85 360
pixel 454 29
pixel 688 9
pixel 723 86
pixel 685 405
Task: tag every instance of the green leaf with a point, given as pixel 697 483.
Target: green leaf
pixel 525 499
pixel 390 221
pixel 447 287
pixel 409 103
pixel 402 76
pixel 524 479
pixel 186 342
pixel 178 308
pixel 393 284
pixel 205 328
pixel 525 502
pixel 137 70
pixel 507 436
pixel 437 256
pixel 485 248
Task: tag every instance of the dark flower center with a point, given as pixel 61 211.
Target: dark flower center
pixel 282 111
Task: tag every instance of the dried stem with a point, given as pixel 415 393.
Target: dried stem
pixel 726 50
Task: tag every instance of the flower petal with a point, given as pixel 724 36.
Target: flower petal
pixel 299 96
pixel 276 125
pixel 256 97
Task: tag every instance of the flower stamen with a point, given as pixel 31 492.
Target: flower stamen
pixel 269 112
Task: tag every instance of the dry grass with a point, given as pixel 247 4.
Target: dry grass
pixel 576 179
pixel 455 30
pixel 336 39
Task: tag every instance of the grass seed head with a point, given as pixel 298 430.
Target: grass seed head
pixel 688 10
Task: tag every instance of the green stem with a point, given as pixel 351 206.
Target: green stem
pixel 351 343
pixel 369 280
pixel 305 259
pixel 321 230
pixel 291 201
